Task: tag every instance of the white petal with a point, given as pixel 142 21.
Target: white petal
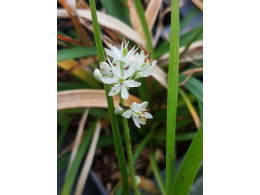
pixel 148 72
pixel 110 53
pixel 127 114
pixel 115 90
pixel 115 68
pixel 97 75
pixel 136 121
pixel 129 72
pixel 148 115
pixel 109 80
pixel 124 92
pixel 133 106
pixel 142 105
pixel 132 83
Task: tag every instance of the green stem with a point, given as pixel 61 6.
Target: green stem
pixel 110 102
pixel 129 152
pixel 172 97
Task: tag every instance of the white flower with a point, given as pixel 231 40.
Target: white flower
pixel 121 54
pixel 118 78
pixel 143 65
pixel 138 113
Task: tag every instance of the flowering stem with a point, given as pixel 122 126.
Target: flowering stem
pixel 172 97
pixel 129 151
pixel 110 102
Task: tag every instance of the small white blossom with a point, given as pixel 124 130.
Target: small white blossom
pixel 138 113
pixel 121 54
pixel 143 65
pixel 119 79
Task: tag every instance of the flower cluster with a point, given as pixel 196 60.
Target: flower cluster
pixel 122 71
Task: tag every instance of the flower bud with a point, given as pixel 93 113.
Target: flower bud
pixel 137 180
pixel 97 75
pixel 118 110
pixel 105 69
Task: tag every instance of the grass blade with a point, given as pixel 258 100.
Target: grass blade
pixel 157 174
pixel 194 86
pixel 191 108
pixel 80 73
pixel 172 96
pixel 65 122
pixel 76 52
pixel 141 146
pixel 190 165
pixel 88 161
pixel 111 108
pixel 77 161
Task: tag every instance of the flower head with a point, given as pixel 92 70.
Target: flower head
pixel 143 65
pixel 139 113
pixel 118 78
pixel 121 54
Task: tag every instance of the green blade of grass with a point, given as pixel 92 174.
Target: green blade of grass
pixel 77 161
pixel 117 9
pixel 172 96
pixel 111 108
pixel 194 38
pixel 64 121
pixel 190 165
pixel 76 52
pixel 194 86
pixel 141 146
pixel 157 173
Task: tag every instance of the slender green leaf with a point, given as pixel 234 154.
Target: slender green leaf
pixel 76 52
pixel 141 146
pixel 63 161
pixel 194 38
pixel 64 121
pixel 200 110
pixel 157 173
pixel 189 17
pixel 190 165
pixel 184 40
pixel 172 96
pixel 194 86
pixel 180 137
pixel 77 161
pixel 117 9
pixel 110 102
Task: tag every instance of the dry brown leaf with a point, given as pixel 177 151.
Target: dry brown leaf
pixel 198 3
pixel 88 160
pixel 107 21
pixel 93 98
pixel 78 138
pixel 165 58
pixel 134 18
pixel 151 13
